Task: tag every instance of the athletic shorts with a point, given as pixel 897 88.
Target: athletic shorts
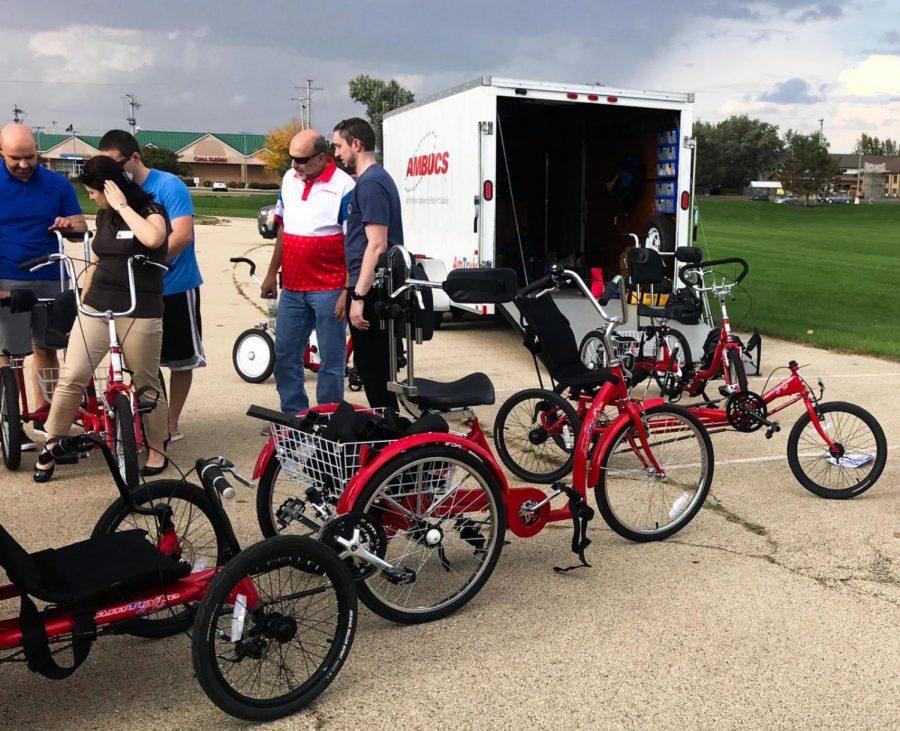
pixel 17 332
pixel 182 342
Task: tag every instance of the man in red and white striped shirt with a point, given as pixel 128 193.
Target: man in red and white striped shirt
pixel 309 251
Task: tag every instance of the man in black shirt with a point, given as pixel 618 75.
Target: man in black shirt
pixel 373 225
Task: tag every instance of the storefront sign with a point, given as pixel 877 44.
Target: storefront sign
pixel 209 158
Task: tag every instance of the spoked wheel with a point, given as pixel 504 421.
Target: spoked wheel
pixel 673 354
pixel 644 499
pixel 444 520
pixel 736 370
pixel 283 505
pixel 593 351
pixel 274 628
pixel 10 419
pixel 253 355
pixel 125 450
pixel 857 463
pixel 535 433
pixel 200 537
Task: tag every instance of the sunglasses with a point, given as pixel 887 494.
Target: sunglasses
pixel 304 160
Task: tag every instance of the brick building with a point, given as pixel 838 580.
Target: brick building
pixel 209 156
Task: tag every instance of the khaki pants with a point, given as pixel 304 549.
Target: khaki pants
pixel 141 339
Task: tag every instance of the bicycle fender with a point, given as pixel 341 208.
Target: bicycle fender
pixel 262 460
pixel 360 479
pixel 606 441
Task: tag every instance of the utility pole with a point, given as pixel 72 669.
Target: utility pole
pixel 133 106
pixel 821 126
pixel 18 114
pixel 302 105
pixel 306 102
pixel 858 176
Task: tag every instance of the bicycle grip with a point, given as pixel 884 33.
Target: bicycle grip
pixel 212 474
pixel 244 260
pixel 536 286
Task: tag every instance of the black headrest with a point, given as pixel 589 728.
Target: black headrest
pixel 688 254
pixel 645 266
pixel 481 286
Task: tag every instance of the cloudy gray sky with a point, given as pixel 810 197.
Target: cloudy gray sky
pixel 231 66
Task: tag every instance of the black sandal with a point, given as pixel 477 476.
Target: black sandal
pixel 42 472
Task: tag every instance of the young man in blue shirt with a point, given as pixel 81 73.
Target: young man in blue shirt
pixel 182 347
pixel 34 202
pixel 373 224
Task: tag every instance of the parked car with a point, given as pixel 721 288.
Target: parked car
pixel 788 200
pixel 840 198
pixel 761 197
pixel 265 221
pixel 220 186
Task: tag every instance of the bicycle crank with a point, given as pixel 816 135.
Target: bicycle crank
pixel 362 542
pixel 746 411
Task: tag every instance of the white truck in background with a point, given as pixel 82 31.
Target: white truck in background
pixel 508 172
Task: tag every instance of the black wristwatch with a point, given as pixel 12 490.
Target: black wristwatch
pixel 355 296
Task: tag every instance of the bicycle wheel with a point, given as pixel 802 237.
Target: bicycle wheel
pixel 638 502
pixel 10 419
pixel 862 450
pixel 535 433
pixel 126 444
pixel 592 350
pixel 444 520
pixel 671 380
pixel 282 504
pixel 201 537
pixel 736 370
pixel 266 661
pixel 253 355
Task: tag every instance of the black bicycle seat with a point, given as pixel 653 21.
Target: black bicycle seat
pixel 475 389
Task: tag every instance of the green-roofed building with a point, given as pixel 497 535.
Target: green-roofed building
pixel 210 156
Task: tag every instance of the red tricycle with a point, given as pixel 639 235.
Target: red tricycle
pixel 420 511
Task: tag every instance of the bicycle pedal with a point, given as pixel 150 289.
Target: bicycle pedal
pixel 145 407
pixel 399 577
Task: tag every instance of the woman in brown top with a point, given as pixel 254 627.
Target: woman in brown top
pixel 128 223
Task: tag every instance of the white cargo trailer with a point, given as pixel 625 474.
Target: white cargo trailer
pixel 507 172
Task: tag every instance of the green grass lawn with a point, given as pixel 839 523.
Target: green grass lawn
pixel 834 270
pixel 234 205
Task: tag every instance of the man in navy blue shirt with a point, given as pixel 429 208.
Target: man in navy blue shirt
pixel 34 202
pixel 373 225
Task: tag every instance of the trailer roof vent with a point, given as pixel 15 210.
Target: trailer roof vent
pixel 521 92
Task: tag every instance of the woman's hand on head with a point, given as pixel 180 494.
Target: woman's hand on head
pixel 114 195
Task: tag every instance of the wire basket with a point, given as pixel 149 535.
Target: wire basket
pixel 625 342
pixel 48 378
pixel 321 463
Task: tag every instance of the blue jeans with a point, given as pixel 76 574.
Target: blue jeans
pixel 299 313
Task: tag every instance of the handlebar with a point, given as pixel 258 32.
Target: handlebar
pixel 537 285
pixel 212 474
pixel 244 260
pixel 36 263
pixel 745 268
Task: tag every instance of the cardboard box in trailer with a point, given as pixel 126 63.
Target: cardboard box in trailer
pixel 506 172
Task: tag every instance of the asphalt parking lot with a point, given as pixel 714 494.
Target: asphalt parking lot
pixel 773 608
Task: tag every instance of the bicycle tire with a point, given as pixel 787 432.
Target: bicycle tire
pixel 314 562
pixel 879 441
pixel 198 554
pixel 738 372
pixel 429 460
pixel 536 436
pixel 611 509
pixel 592 350
pixel 242 359
pixel 10 419
pixel 669 384
pixel 125 447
